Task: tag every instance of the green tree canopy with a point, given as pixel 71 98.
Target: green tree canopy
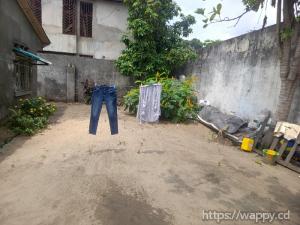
pixel 154 42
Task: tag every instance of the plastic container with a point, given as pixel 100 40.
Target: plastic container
pixel 270 156
pixel 247 144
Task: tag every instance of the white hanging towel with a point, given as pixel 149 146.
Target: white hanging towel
pixel 149 103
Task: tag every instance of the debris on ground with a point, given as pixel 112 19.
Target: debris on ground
pixel 232 126
pixel 286 142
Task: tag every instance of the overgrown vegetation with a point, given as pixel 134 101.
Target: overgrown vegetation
pixel 154 43
pixel 197 44
pixel 178 99
pixel 30 115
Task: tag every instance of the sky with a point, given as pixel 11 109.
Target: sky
pixel 225 30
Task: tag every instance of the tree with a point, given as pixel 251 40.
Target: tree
pixel 196 44
pixel 288 35
pixel 153 43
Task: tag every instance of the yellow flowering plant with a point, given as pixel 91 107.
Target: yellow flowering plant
pixel 30 115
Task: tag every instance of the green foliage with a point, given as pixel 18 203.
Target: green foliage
pixel 153 43
pixel 197 44
pixel 30 115
pixel 178 99
pixel 88 88
pixel 286 33
pixel 131 100
pixel 200 11
pixel 253 4
pixel 210 17
pixel 216 11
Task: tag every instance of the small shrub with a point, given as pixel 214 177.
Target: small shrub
pixel 88 91
pixel 131 100
pixel 30 115
pixel 178 99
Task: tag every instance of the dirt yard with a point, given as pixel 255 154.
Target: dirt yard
pixel 161 174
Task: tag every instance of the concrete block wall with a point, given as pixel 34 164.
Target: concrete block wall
pixel 68 72
pixel 241 75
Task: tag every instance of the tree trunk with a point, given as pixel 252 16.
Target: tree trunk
pixel 289 63
pixel 287 92
pixel 289 75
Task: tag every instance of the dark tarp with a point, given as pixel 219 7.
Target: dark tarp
pixel 229 123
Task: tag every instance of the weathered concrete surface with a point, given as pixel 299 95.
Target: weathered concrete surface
pixel 15 28
pixel 241 75
pixel 158 174
pixel 54 85
pixel 109 23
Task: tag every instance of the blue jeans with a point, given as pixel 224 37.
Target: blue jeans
pixel 107 94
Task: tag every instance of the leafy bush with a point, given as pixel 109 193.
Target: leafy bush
pixel 178 99
pixel 131 100
pixel 30 115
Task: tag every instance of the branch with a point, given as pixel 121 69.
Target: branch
pixel 226 19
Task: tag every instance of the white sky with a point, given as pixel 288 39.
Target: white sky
pixel 225 30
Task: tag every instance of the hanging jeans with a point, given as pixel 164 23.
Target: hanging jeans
pixel 107 94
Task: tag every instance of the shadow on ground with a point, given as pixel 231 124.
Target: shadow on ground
pixel 118 208
pixel 60 110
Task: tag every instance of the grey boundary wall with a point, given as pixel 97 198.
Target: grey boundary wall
pixel 58 81
pixel 241 75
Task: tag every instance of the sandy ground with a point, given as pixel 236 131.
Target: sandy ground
pixel 159 174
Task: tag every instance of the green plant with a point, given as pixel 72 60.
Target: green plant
pixel 196 44
pixel 154 42
pixel 30 115
pixel 88 88
pixel 286 33
pixel 131 100
pixel 178 99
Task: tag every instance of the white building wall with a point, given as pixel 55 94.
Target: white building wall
pixel 109 23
